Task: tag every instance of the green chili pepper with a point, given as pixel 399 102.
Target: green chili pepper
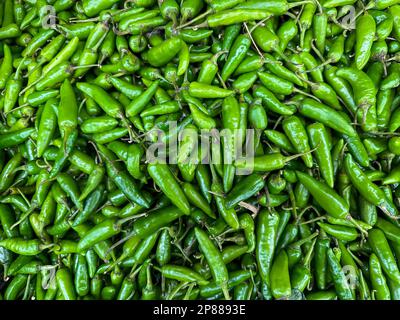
pixel 380 247
pixel 378 280
pixel 214 259
pixel 365 34
pixel 341 285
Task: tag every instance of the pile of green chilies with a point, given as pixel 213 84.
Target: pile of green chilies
pixel 88 88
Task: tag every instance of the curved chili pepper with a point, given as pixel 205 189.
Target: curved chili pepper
pixel 297 135
pixel 381 248
pixel 327 198
pixel 364 96
pixel 326 115
pixel 6 66
pixel 320 141
pixel 365 34
pixel 367 188
pixel 163 177
pixel 241 191
pixel 378 280
pixel 267 225
pixel 341 285
pixel 236 54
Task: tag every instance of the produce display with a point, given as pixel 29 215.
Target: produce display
pixel 199 150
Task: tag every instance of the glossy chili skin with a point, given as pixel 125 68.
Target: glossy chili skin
pixel 367 188
pixel 364 37
pixel 341 285
pixel 378 280
pixel 364 95
pixel 242 191
pixel 279 276
pixel 65 284
pixel 380 246
pixel 267 225
pixel 325 196
pixel 100 232
pixel 297 135
pixel 127 185
pixel 214 259
pixel 321 263
pixel 340 232
pixel 236 55
pixel 327 116
pixel 163 177
pixel 182 274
